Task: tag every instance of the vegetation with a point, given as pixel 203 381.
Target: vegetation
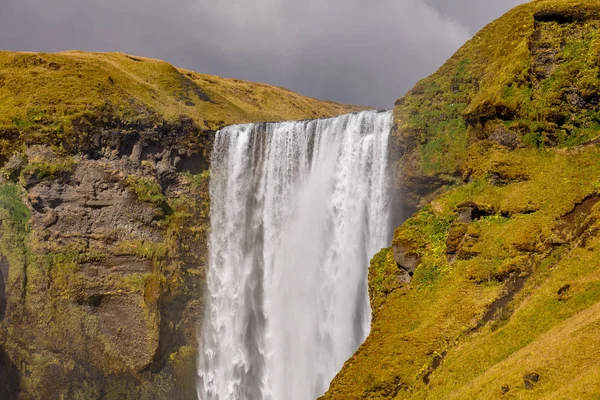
pixel 504 299
pixel 59 98
pixel 103 244
pixel 530 78
pixel 446 308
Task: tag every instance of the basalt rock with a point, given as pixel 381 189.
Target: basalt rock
pixel 105 290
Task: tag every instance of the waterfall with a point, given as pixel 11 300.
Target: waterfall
pixel 297 210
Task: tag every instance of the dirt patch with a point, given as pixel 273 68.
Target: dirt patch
pixel 574 224
pixel 435 364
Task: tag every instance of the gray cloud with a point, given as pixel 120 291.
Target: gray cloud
pixel 353 51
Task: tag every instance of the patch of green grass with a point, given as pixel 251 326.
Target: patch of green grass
pixel 147 190
pixel 13 207
pixel 50 170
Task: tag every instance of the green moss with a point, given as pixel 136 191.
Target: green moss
pixel 383 278
pixel 13 208
pixel 147 191
pixel 145 249
pixel 537 79
pixel 14 232
pixel 189 222
pixel 50 170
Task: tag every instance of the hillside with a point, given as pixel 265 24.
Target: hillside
pixel 50 98
pixel 104 214
pixel 491 289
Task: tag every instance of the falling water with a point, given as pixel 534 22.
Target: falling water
pixel 297 210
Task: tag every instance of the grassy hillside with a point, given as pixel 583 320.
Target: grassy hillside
pixel 47 98
pixel 530 78
pixel 500 149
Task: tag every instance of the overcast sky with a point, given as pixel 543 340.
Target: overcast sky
pixel 355 51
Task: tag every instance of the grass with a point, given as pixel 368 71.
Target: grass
pixel 13 207
pixel 493 81
pixel 441 312
pixel 49 170
pixel 56 98
pixel 147 191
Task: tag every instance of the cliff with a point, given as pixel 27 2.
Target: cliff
pixel 104 213
pixel 491 289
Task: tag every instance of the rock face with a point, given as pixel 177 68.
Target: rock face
pixel 104 214
pixel 104 285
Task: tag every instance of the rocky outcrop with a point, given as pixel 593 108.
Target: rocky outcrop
pixel 104 286
pixel 495 274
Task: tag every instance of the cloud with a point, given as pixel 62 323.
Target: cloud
pixel 354 51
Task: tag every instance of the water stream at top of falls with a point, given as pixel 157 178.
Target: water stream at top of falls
pixel 297 211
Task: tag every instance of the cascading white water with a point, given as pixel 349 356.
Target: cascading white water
pixel 297 210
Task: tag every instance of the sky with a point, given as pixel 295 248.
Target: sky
pixel 352 51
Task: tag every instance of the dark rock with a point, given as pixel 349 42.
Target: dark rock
pixel 561 17
pixel 406 258
pixel 3 279
pixel 530 380
pixel 397 103
pixel 564 289
pixel 563 293
pixel 9 378
pixel 572 97
pixel 505 389
pixel 435 364
pixel 470 211
pixel 504 137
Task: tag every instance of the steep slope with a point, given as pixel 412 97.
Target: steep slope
pixel 491 290
pixel 104 216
